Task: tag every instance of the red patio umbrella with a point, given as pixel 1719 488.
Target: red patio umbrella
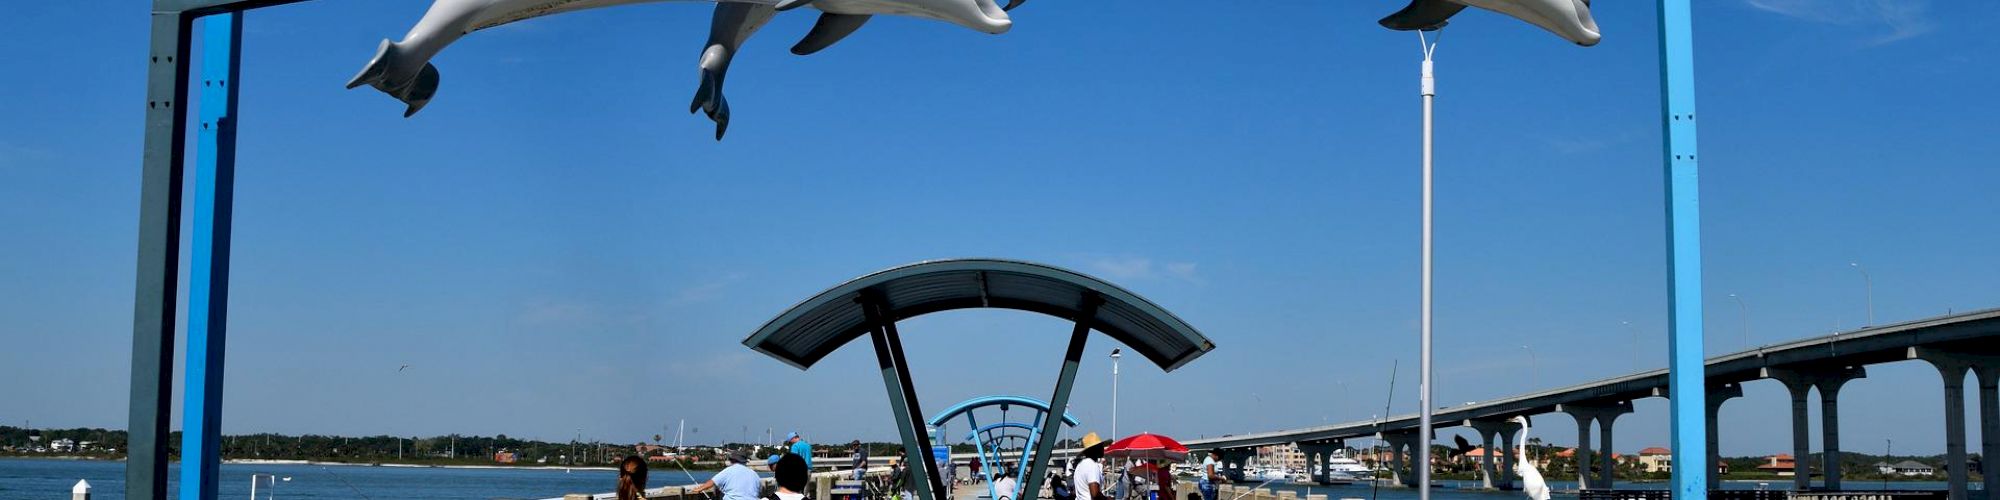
pixel 1147 446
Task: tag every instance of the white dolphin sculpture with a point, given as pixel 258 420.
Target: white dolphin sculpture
pixel 734 23
pixel 1569 19
pixel 403 70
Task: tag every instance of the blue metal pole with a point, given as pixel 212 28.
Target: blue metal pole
pixel 1685 376
pixel 208 271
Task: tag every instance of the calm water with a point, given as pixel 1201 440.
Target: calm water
pixel 24 479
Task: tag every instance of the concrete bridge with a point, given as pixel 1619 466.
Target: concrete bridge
pixel 1955 344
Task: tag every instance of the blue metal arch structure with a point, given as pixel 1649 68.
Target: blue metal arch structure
pixel 991 438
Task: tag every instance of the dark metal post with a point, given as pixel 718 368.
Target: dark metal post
pixel 903 400
pixel 1045 444
pixel 208 267
pixel 159 259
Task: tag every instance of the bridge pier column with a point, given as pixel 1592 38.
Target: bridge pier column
pixel 1486 458
pixel 1609 456
pixel 1799 382
pixel 1582 450
pixel 1829 413
pixel 1401 471
pixel 1317 456
pixel 1952 369
pixel 1488 430
pixel 1799 385
pixel 1584 414
pixel 1717 394
pixel 1233 460
pixel 1989 427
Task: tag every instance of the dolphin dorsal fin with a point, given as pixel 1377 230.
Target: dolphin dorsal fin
pixel 829 29
pixel 1422 15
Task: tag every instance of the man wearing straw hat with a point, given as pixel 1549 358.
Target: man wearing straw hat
pixel 1088 477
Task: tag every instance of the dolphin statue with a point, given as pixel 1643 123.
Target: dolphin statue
pixel 1569 19
pixel 734 23
pixel 402 69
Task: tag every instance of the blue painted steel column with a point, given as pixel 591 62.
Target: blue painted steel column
pixel 208 268
pixel 1685 376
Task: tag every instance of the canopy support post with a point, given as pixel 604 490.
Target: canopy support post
pixel 1045 443
pixel 1685 369
pixel 157 289
pixel 208 267
pixel 903 400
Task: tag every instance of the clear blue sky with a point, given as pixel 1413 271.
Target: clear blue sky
pixel 554 245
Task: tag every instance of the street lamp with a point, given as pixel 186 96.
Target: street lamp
pixel 1744 313
pixel 1567 19
pixel 1115 353
pixel 1870 284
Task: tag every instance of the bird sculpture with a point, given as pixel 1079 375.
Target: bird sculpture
pixel 1531 479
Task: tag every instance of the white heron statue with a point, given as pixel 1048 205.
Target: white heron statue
pixel 1531 479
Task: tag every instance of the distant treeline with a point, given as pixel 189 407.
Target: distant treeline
pixel 369 449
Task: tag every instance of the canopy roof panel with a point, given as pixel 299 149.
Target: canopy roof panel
pixel 812 329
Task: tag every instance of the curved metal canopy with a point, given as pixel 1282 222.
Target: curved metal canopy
pixel 985 401
pixel 812 329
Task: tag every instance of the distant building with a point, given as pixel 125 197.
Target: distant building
pixel 64 445
pixel 1905 468
pixel 1656 459
pixel 1780 464
pixel 1473 457
pixel 505 456
pixel 1286 456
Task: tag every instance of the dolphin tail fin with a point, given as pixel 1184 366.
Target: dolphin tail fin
pixel 829 29
pixel 415 92
pixel 1422 15
pixel 708 98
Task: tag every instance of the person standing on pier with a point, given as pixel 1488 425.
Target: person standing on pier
pixel 860 460
pixel 1211 474
pixel 737 481
pixel 800 447
pixel 1089 475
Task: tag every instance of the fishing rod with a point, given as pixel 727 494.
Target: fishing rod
pixel 691 479
pixel 1375 481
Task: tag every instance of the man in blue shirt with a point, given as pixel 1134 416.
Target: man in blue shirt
pixel 800 447
pixel 737 482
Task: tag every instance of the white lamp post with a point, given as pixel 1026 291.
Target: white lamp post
pixel 1115 353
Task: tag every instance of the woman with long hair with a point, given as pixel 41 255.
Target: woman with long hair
pixel 632 478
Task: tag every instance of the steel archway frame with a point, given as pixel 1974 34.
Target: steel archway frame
pixel 160 202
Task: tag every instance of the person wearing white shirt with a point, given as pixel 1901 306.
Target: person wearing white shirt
pixel 1004 488
pixel 1089 476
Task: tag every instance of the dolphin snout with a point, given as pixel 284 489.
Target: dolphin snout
pixel 996 20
